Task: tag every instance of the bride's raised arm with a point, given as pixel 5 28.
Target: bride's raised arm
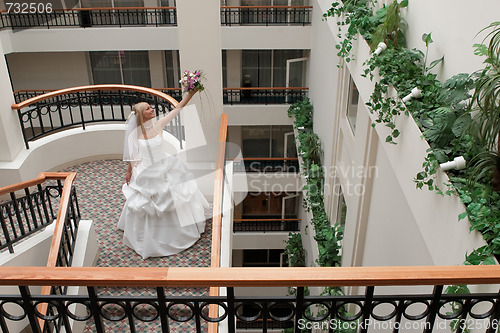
pixel 162 122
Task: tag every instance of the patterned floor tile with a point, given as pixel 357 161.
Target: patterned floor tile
pixel 98 185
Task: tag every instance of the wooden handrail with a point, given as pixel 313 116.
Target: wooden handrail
pixel 249 276
pixel 218 193
pixel 32 182
pixel 111 87
pixel 227 88
pixel 69 178
pixel 217 214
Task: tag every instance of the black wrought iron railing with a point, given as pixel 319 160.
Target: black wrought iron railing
pixel 371 305
pixel 67 108
pixel 265 225
pixel 266 15
pixel 17 18
pixel 264 95
pixel 22 215
pixel 90 17
pixel 231 96
pixel 267 164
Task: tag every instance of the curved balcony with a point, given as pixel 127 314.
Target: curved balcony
pixel 53 111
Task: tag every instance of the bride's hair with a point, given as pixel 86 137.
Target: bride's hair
pixel 138 109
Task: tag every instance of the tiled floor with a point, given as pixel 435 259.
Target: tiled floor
pixel 98 185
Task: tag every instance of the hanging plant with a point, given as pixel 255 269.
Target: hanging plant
pixel 328 237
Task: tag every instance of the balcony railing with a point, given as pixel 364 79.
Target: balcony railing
pixel 91 17
pixel 266 15
pixel 24 215
pixel 266 225
pixel 150 16
pixel 267 164
pixel 427 310
pixel 263 95
pixel 67 108
pixel 230 96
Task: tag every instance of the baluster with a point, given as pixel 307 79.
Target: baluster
pixel 162 309
pixel 265 312
pixel 433 309
pixel 493 323
pixel 231 322
pixel 81 109
pixel 32 210
pixel 3 324
pixel 120 98
pixel 95 309
pixel 5 230
pixel 128 311
pixel 18 214
pixel 99 94
pixel 299 303
pixel 197 312
pixel 367 308
pixel 462 322
pixel 29 309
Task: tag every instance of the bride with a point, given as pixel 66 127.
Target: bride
pixel 164 209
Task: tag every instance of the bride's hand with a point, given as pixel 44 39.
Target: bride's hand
pixel 128 176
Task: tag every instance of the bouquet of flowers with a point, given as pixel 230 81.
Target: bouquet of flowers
pixel 192 80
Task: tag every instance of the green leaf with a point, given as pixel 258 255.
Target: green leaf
pixel 403 4
pixel 427 39
pixel 462 216
pixel 435 62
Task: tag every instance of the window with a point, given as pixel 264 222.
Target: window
pixel 265 68
pixel 265 141
pixel 341 209
pixel 121 67
pixel 352 104
pixel 262 258
pixel 270 205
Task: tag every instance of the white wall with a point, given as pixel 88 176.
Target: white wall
pixel 391 222
pixel 454 25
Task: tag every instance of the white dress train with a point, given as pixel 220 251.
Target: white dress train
pixel 164 212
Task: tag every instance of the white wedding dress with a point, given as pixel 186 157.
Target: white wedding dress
pixel 164 212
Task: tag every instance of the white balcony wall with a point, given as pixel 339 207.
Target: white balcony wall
pixel 389 221
pixel 148 38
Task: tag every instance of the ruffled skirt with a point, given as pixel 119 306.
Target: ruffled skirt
pixel 164 212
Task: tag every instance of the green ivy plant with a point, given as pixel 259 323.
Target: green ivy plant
pixel 294 250
pixel 443 113
pixel 328 238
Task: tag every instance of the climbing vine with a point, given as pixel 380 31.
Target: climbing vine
pixel 442 111
pixel 328 237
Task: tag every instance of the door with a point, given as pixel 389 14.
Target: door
pixel 295 76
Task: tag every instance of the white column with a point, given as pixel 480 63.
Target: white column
pixel 11 137
pixel 200 48
pixel 157 65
